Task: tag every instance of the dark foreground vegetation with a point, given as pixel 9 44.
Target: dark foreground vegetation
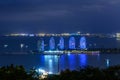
pixel 87 73
pixel 15 73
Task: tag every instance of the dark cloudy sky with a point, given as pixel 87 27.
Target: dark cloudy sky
pixel 33 16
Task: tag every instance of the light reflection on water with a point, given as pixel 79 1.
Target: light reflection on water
pixel 71 62
pixel 82 59
pixel 52 63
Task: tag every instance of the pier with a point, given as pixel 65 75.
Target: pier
pixel 58 52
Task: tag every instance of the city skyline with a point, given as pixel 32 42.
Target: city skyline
pixel 95 16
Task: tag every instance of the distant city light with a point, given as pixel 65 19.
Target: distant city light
pixel 21 45
pixel 41 34
pixel 5 45
pixel 31 35
pixel 63 34
pixel 26 46
pixel 118 35
pixel 107 62
pixel 19 34
pixel 78 32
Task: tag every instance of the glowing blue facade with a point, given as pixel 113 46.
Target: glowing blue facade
pixel 41 45
pixel 72 43
pixel 82 43
pixel 52 43
pixel 61 43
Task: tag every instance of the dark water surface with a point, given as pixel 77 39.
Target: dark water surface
pixel 51 62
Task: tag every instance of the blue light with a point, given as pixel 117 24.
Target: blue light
pixel 82 60
pixel 61 43
pixel 42 59
pixel 72 43
pixel 40 45
pixel 68 54
pixel 72 62
pixel 52 43
pixel 41 70
pixel 52 52
pixel 49 63
pixel 31 35
pixel 50 72
pixel 50 60
pixel 107 62
pixel 83 43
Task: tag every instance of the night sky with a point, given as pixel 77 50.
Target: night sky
pixel 56 16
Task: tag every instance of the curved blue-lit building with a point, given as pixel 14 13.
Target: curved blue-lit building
pixel 40 45
pixel 72 43
pixel 52 43
pixel 82 43
pixel 61 43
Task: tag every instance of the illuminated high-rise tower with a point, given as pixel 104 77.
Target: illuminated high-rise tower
pixel 52 43
pixel 82 43
pixel 72 43
pixel 61 43
pixel 40 45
